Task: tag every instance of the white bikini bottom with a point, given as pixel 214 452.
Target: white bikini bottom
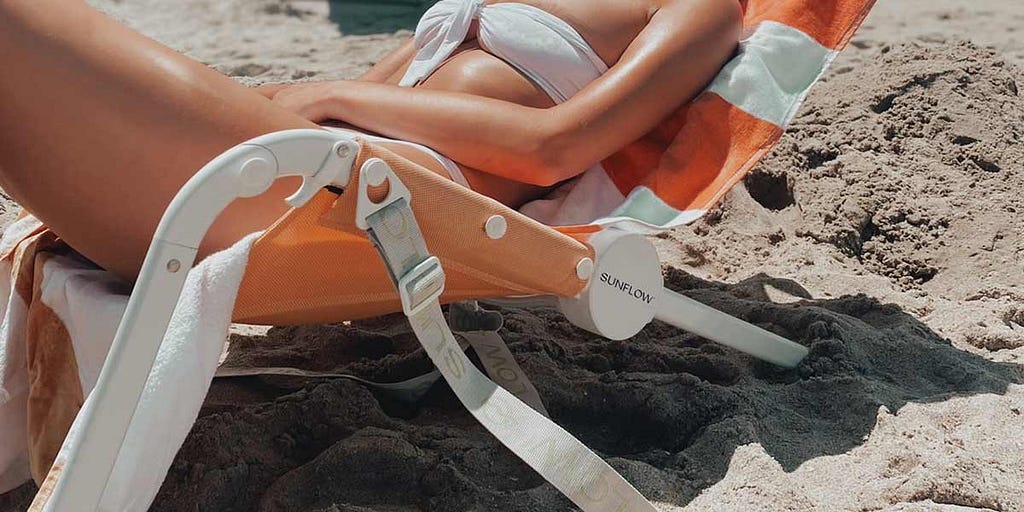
pixel 449 165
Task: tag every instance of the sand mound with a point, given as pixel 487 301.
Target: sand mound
pixel 940 120
pixel 900 177
pixel 668 409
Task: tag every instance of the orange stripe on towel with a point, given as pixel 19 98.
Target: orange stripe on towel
pixel 831 23
pixel 56 394
pixel 709 153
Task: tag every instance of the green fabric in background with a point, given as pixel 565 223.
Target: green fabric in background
pixel 360 17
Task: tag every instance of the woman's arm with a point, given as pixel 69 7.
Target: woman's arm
pixel 381 71
pixel 681 49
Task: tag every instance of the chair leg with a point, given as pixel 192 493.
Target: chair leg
pixel 702 320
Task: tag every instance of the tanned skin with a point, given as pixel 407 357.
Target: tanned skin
pixel 100 126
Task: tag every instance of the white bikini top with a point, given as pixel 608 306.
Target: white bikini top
pixel 539 44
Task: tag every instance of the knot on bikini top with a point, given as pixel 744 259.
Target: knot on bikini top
pixel 542 46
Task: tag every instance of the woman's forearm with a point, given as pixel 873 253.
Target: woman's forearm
pixel 494 136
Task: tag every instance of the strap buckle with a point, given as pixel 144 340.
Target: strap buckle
pixel 392 228
pixel 421 286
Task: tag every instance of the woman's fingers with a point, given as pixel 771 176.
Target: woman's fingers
pixel 306 100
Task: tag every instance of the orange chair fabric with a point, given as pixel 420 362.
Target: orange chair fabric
pixel 315 265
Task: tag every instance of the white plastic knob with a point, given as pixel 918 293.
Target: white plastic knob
pixel 496 227
pixel 255 176
pixel 376 173
pixel 585 269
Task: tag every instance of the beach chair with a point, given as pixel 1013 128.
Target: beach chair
pixel 371 233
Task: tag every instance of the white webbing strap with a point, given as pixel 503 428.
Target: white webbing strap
pixel 501 365
pixel 555 454
pixel 478 328
pixel 410 391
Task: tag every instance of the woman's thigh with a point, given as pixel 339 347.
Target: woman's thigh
pixel 100 126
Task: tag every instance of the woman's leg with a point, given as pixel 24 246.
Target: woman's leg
pixel 100 126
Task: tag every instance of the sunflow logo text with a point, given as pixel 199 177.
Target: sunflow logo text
pixel 626 288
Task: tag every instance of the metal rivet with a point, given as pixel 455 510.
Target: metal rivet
pixel 496 227
pixel 377 173
pixel 585 269
pixel 173 266
pixel 344 150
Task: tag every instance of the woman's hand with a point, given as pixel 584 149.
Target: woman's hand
pixel 310 100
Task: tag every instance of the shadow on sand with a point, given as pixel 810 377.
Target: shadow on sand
pixel 666 408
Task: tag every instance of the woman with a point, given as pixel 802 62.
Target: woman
pixel 100 126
